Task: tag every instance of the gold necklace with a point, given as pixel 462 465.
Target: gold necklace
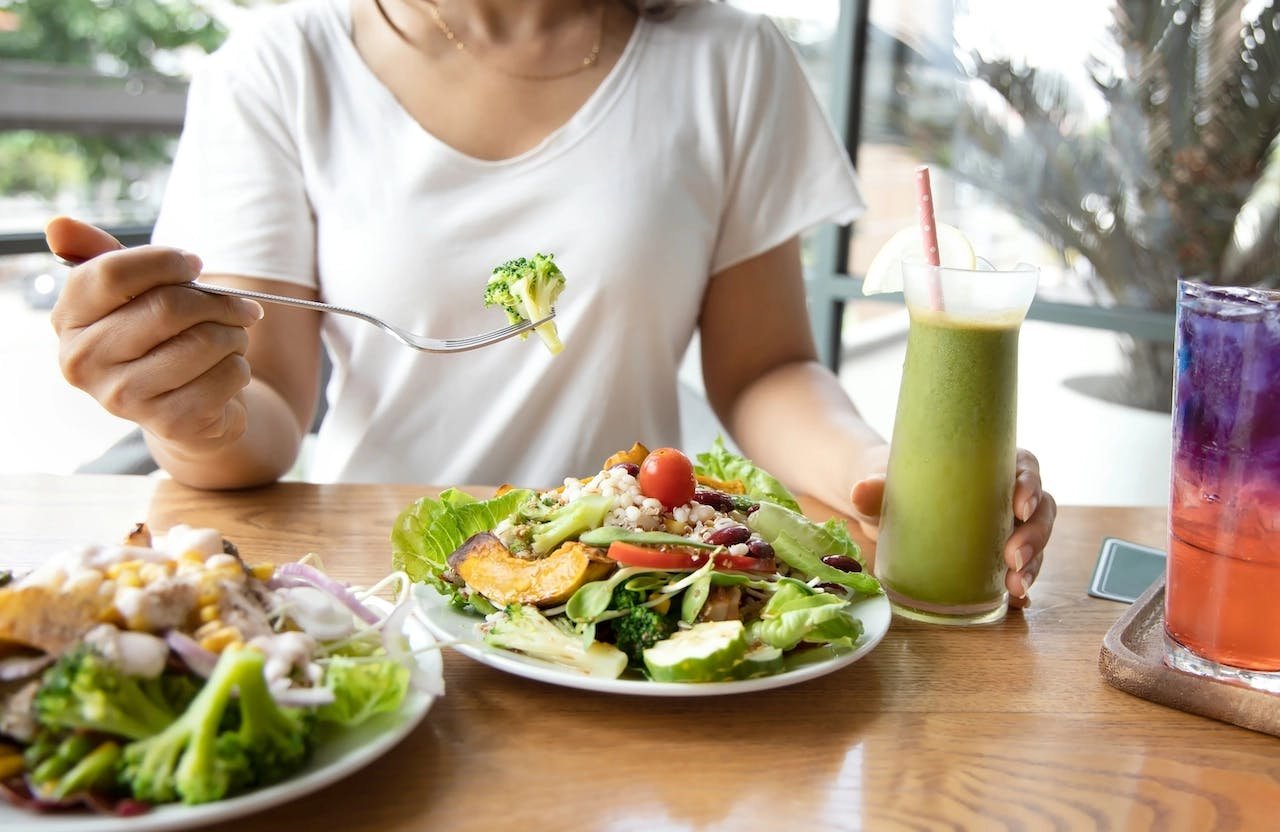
pixel 589 61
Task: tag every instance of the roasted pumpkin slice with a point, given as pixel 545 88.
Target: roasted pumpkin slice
pixel 635 455
pixel 489 568
pixel 723 486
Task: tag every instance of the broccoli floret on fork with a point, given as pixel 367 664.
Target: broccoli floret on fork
pixel 526 289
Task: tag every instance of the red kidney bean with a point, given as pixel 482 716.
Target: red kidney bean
pixel 630 467
pixel 758 548
pixel 729 535
pixel 717 500
pixel 842 562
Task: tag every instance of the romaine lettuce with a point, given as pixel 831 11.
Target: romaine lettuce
pixel 427 532
pixel 361 689
pixel 801 544
pixel 796 613
pixel 722 464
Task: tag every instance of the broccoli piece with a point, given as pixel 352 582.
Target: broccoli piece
pixel 87 691
pixel 273 740
pixel 97 769
pixel 569 521
pixel 524 628
pixel 50 758
pixel 196 760
pixel 641 627
pixel 526 289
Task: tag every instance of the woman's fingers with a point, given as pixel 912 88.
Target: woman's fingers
pixel 112 280
pixel 1026 486
pixel 147 347
pixel 124 388
pixel 208 407
pixel 1019 583
pixel 1024 551
pixel 141 325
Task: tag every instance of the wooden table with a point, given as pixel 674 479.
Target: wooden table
pixel 1009 726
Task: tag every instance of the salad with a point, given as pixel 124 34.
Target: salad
pixel 656 566
pixel 167 669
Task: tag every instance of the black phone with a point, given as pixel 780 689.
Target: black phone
pixel 1125 570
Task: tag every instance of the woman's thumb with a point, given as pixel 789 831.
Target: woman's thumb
pixel 867 495
pixel 75 240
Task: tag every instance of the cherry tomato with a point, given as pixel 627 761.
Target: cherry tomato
pixel 678 558
pixel 667 476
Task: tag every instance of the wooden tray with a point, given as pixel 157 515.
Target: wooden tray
pixel 1132 659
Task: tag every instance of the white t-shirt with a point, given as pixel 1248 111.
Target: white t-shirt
pixel 702 148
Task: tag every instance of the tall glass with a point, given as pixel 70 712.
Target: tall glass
pixel 948 505
pixel 1222 596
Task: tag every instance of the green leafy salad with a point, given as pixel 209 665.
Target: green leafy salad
pixel 166 669
pixel 657 566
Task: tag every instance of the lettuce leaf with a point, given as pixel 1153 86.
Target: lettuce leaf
pixel 362 689
pixel 801 544
pixel 722 464
pixel 796 613
pixel 427 532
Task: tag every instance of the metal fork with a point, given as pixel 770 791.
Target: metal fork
pixel 409 339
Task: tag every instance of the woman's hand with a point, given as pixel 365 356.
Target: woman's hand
pixel 149 349
pixel 1034 511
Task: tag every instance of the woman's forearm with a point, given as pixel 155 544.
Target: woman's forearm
pixel 797 422
pixel 264 452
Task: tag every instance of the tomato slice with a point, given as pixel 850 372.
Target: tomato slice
pixel 743 563
pixel 678 558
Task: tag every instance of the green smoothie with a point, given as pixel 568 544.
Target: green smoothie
pixel 949 487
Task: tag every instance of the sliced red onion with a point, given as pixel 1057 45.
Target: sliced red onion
pixel 393 640
pixel 19 793
pixel 200 660
pixel 302 697
pixel 20 667
pixel 300 574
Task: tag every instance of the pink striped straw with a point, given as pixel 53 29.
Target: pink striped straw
pixel 929 232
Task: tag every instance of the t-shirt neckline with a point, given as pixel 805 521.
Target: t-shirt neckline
pixel 561 138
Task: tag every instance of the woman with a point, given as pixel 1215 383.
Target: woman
pixel 385 154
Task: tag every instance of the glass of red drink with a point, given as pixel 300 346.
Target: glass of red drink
pixel 1222 599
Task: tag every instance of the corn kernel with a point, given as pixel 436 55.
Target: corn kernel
pixel 662 606
pixel 221 639
pixel 223 563
pixel 150 573
pixel 129 579
pixel 10 765
pixel 84 581
pixel 264 571
pixel 188 562
pixel 117 569
pixel 208 590
pixel 208 628
pixel 208 612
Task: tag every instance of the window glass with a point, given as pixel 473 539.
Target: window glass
pixel 91 101
pixel 1118 146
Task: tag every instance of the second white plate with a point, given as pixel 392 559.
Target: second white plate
pixel 342 753
pixel 450 624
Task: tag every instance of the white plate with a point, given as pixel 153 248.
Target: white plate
pixel 340 754
pixel 452 625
